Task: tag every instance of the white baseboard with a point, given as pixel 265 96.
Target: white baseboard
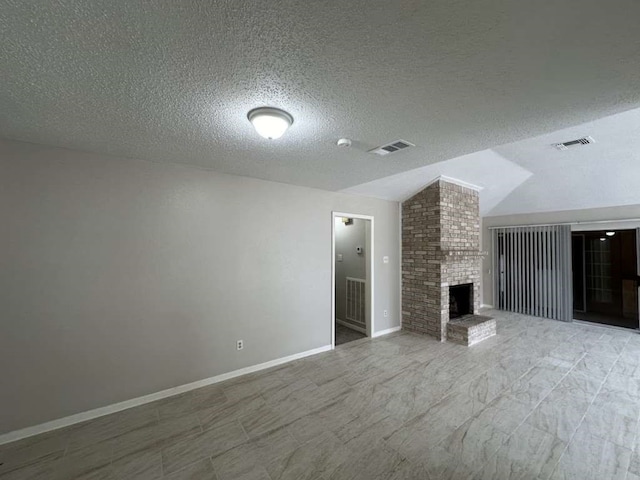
pixel 387 331
pixel 134 402
pixel 351 326
pixel 486 305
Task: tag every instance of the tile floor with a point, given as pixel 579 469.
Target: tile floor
pixel 542 399
pixel 346 335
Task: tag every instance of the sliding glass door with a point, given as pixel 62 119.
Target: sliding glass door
pixel 605 268
pixel 532 270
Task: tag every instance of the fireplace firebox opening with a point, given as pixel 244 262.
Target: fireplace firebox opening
pixel 460 300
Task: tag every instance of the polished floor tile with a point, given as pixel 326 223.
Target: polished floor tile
pixel 528 453
pixel 202 445
pixel 590 456
pixel 541 400
pixel 202 470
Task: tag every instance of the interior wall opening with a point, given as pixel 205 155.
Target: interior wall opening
pixel 352 278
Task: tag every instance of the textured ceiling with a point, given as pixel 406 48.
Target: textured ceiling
pixel 603 174
pixel 532 176
pixel 173 81
pixel 495 176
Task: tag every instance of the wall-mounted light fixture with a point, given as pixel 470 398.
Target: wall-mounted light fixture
pixel 270 122
pixel 610 234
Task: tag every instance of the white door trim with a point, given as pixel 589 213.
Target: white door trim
pixel 370 323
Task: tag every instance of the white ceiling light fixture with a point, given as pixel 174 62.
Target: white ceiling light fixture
pixel 270 122
pixel 610 234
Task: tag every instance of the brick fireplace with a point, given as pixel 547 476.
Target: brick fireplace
pixel 440 250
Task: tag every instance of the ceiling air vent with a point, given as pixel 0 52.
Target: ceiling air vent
pixel 574 143
pixel 392 147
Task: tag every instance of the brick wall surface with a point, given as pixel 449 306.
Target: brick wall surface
pixel 440 247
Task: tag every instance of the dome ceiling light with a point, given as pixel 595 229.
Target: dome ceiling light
pixel 270 122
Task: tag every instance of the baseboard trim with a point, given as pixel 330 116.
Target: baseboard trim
pixel 387 331
pixel 486 305
pixel 152 397
pixel 351 326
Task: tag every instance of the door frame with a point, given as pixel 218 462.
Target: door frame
pixel 370 280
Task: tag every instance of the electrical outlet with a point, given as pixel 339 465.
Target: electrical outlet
pixel 386 313
pixel 239 344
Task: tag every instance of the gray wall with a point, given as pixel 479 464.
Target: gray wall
pixel 352 264
pixel 120 277
pixel 567 216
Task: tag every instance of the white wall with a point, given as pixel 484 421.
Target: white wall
pixel 121 277
pixel 584 217
pixel 348 237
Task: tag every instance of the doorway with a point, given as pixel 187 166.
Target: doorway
pixel 352 275
pixel 605 277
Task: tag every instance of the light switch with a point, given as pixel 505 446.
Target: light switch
pixel 385 259
pixel 339 257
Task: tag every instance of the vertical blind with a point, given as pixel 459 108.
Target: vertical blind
pixel 532 271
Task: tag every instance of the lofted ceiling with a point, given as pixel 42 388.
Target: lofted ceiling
pixel 603 174
pixel 532 176
pixel 173 81
pixel 492 175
